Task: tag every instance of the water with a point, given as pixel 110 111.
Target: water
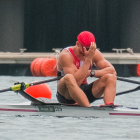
pixel 68 128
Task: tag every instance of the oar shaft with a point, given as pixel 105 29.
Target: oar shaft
pixel 26 85
pixel 125 92
pixel 128 80
pixel 45 81
pixel 4 90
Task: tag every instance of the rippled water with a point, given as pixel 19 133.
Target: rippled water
pixel 68 128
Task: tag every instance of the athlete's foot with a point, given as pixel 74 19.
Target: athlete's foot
pixel 75 104
pixel 108 104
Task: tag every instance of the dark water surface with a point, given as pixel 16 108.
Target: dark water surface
pixel 68 128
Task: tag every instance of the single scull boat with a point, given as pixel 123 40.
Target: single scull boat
pixel 50 107
pixel 71 111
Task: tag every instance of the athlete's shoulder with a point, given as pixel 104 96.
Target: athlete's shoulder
pixel 98 54
pixel 65 55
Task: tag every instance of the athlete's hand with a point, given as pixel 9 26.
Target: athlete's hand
pixel 89 54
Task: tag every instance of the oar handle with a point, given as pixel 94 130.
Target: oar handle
pixel 23 86
pixel 18 87
pixel 15 87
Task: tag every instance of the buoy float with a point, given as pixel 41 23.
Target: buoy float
pixel 44 67
pixel 41 90
pixel 138 70
pixel 37 66
pixel 32 66
pixel 48 67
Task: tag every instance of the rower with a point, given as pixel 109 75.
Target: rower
pixel 75 64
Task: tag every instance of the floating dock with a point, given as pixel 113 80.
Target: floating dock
pixel 18 64
pixel 27 58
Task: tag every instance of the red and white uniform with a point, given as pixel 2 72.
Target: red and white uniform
pixel 78 63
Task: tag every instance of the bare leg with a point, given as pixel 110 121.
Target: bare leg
pixel 68 88
pixel 105 85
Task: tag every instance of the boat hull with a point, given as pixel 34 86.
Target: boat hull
pixel 71 111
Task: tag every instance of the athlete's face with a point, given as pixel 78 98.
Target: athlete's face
pixel 82 49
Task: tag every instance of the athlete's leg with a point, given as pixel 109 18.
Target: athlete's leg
pixel 105 85
pixel 68 88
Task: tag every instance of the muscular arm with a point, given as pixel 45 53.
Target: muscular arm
pixel 104 67
pixel 66 62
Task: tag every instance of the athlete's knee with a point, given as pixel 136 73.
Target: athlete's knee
pixel 69 78
pixel 110 78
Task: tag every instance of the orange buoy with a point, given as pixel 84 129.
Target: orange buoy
pixel 41 90
pixel 138 70
pixel 32 66
pixel 49 68
pixel 36 65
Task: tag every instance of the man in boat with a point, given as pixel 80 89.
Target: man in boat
pixel 75 64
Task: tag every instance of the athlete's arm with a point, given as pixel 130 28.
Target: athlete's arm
pixel 66 62
pixel 103 66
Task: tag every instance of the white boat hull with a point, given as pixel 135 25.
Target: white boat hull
pixel 71 111
pixel 51 107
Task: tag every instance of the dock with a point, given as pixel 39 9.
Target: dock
pixel 27 58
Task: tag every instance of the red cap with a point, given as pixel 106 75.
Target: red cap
pixel 85 38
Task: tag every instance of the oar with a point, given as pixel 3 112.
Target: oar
pixel 18 86
pixel 128 80
pixel 124 92
pixel 128 91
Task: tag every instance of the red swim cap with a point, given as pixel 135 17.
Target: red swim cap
pixel 85 38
